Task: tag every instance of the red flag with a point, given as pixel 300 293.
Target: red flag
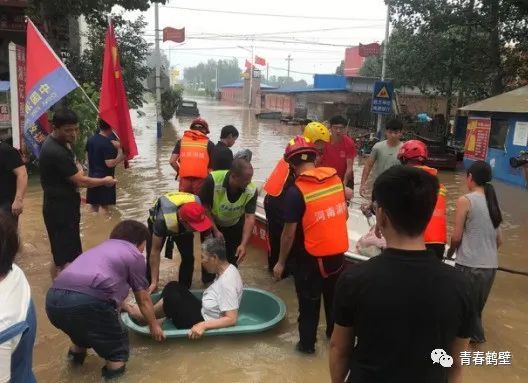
pixel 173 34
pixel 113 104
pixel 248 64
pixel 260 61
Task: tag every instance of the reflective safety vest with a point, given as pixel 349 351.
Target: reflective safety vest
pixel 194 158
pixel 324 220
pixel 169 205
pixel 436 230
pixel 225 212
pixel 275 183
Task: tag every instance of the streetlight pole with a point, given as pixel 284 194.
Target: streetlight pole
pixel 158 71
pixel 251 76
pixel 384 62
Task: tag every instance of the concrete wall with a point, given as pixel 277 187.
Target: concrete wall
pixel 232 94
pixel 277 102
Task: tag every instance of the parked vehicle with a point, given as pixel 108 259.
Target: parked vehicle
pixel 187 108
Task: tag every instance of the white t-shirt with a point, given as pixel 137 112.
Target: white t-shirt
pixel 223 295
pixel 15 295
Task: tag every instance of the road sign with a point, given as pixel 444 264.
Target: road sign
pixel 382 97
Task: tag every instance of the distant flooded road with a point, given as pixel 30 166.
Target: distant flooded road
pixel 267 357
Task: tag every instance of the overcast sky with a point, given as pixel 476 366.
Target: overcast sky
pixel 348 23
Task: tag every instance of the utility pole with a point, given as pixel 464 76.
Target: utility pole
pixel 216 81
pixel 267 72
pixel 158 71
pixel 384 63
pixel 289 59
pixel 251 75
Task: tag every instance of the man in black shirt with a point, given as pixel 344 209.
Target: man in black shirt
pixel 402 304
pixel 60 177
pixel 13 180
pixel 222 155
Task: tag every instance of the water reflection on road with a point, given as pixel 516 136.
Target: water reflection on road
pixel 264 357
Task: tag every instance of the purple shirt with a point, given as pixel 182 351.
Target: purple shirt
pixel 106 271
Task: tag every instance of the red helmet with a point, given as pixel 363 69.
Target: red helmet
pixel 413 150
pixel 200 124
pixel 299 145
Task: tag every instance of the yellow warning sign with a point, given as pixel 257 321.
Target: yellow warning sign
pixel 383 93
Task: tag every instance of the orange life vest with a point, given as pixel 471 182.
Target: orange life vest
pixel 324 220
pixel 436 230
pixel 194 158
pixel 275 183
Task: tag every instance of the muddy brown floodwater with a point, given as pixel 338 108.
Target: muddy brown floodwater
pixel 267 357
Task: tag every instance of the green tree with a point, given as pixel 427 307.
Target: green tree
pixel 474 41
pixel 341 68
pixel 87 114
pixel 170 100
pixel 203 75
pixel 133 50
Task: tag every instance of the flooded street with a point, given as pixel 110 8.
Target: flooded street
pixel 267 357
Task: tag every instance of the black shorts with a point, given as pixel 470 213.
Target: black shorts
pixel 62 218
pixel 89 322
pixel 181 306
pixel 101 195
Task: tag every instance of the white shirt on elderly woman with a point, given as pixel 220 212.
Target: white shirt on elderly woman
pixel 224 294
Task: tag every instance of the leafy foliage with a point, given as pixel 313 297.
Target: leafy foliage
pixel 133 49
pixel 283 81
pixel 203 75
pixel 472 47
pixel 341 68
pixel 87 114
pixel 170 100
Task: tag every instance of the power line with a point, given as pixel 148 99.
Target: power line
pixel 272 14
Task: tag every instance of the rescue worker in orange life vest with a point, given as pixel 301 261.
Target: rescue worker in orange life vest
pixel 277 183
pixel 191 157
pixel 314 237
pixel 414 153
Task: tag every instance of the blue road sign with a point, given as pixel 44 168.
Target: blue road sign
pixel 382 97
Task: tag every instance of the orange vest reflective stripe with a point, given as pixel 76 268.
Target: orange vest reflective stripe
pixel 436 230
pixel 324 220
pixel 194 158
pixel 275 183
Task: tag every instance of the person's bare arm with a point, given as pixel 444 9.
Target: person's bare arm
pixel 249 223
pixel 80 180
pixel 21 186
pixel 499 237
pixel 286 243
pixel 349 173
pixel 147 309
pixel 462 208
pixel 455 373
pixel 365 175
pixel 154 261
pixel 228 320
pixel 174 162
pixel 112 163
pixel 341 345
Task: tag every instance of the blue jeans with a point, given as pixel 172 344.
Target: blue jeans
pixel 89 322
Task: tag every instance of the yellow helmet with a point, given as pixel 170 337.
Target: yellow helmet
pixel 315 131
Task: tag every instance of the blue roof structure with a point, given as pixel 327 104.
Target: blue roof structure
pixel 4 86
pixel 240 84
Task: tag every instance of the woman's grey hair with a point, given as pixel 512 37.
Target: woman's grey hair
pixel 216 247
